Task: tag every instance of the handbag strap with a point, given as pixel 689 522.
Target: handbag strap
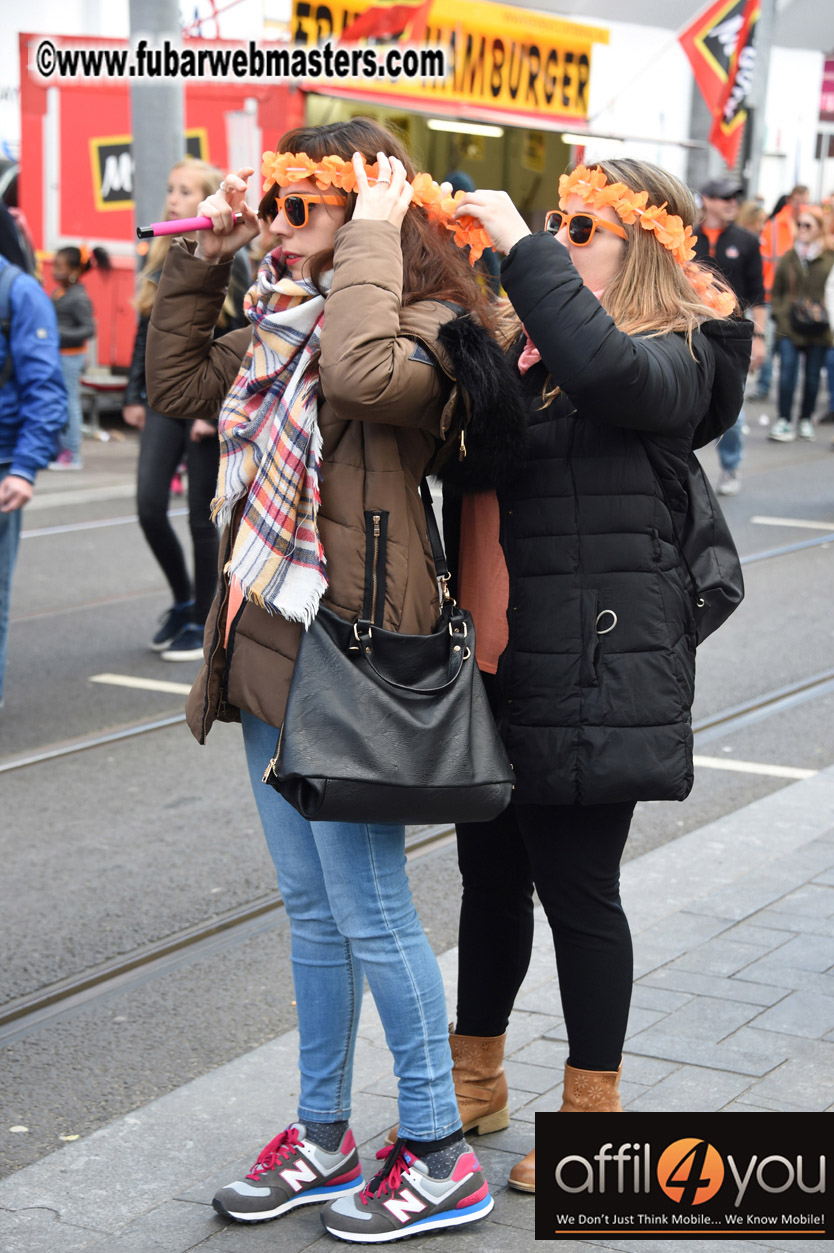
pixel 441 566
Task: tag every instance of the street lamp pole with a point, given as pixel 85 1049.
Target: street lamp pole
pixel 758 95
pixel 157 111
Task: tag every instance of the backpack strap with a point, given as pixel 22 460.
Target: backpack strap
pixel 7 279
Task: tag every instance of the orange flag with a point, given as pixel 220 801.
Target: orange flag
pixel 731 112
pixel 389 19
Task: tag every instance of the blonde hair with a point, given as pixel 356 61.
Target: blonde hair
pixel 751 216
pixel 651 294
pixel 210 178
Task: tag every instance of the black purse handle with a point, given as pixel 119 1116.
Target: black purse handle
pixel 366 650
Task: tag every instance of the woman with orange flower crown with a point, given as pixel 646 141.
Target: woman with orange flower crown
pixel 332 405
pixel 629 355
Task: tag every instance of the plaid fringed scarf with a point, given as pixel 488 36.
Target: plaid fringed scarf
pixel 270 448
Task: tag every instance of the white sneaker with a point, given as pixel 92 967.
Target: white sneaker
pixel 782 431
pixel 806 428
pixel 729 483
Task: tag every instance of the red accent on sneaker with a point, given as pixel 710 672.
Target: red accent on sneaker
pixel 348 1144
pixel 474 1198
pixel 279 1148
pixel 348 1177
pixel 466 1164
pixel 392 1180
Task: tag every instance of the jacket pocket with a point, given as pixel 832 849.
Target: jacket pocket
pixel 597 623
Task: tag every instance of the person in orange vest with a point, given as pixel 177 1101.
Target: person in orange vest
pixel 776 239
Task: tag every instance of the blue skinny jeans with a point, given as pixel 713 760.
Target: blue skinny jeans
pixel 351 916
pixel 789 355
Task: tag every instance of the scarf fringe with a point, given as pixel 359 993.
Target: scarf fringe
pixel 296 604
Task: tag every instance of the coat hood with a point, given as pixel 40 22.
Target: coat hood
pixel 723 345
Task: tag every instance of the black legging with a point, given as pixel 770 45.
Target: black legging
pixel 165 444
pixel 571 855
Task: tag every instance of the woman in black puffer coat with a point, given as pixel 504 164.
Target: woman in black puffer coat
pixel 582 603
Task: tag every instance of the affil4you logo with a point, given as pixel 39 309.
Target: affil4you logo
pixel 736 1179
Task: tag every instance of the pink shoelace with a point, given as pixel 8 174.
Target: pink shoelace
pixel 281 1148
pixel 390 1177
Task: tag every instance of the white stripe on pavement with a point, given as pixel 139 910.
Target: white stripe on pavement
pixel 753 767
pixel 79 496
pixel 146 685
pixel 805 523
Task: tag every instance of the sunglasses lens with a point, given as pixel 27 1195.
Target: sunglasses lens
pixel 581 228
pixel 296 210
pixel 553 222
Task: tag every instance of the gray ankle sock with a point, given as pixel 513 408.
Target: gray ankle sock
pixel 327 1135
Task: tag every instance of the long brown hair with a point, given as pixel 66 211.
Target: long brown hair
pixel 433 267
pixel 210 178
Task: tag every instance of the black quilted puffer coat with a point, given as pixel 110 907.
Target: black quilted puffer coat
pixel 596 684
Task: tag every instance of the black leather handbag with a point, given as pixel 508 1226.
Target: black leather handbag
pixel 708 550
pixel 385 727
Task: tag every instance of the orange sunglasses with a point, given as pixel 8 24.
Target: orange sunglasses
pixel 295 207
pixel 581 226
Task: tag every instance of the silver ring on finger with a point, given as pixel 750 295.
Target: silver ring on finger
pixel 383 182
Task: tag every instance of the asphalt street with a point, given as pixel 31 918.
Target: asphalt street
pixel 114 849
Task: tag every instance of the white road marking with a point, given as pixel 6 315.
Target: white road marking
pixel 39 532
pixel 805 523
pixel 79 495
pixel 753 767
pixel 146 685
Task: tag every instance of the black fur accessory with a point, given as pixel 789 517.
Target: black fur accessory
pixel 490 419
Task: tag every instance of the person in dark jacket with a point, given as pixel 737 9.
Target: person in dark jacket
pixel 167 442
pixel 582 604
pixel 736 254
pixel 76 325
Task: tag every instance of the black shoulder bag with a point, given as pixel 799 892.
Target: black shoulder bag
pixel 707 548
pixel 384 727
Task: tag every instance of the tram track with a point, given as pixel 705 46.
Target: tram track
pixel 30 1013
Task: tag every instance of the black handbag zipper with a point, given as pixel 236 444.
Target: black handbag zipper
pixel 272 767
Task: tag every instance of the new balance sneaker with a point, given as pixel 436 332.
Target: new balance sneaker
pixel 187 644
pixel 291 1171
pixel 781 431
pixel 806 428
pixel 404 1200
pixel 170 624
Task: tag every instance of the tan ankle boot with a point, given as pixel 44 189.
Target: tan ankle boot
pixel 585 1092
pixel 480 1083
pixel 591 1091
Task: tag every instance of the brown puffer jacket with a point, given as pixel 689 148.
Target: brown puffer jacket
pixel 384 402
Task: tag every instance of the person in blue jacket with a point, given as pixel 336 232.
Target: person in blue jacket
pixel 33 409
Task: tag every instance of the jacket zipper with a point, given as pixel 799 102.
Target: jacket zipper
pixel 374 582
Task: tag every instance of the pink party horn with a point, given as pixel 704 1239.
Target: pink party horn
pixel 179 226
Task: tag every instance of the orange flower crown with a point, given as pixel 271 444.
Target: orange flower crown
pixel 285 168
pixel 593 188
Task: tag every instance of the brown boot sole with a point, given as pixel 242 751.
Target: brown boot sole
pixel 521 1187
pixel 481 1126
pixel 490 1122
